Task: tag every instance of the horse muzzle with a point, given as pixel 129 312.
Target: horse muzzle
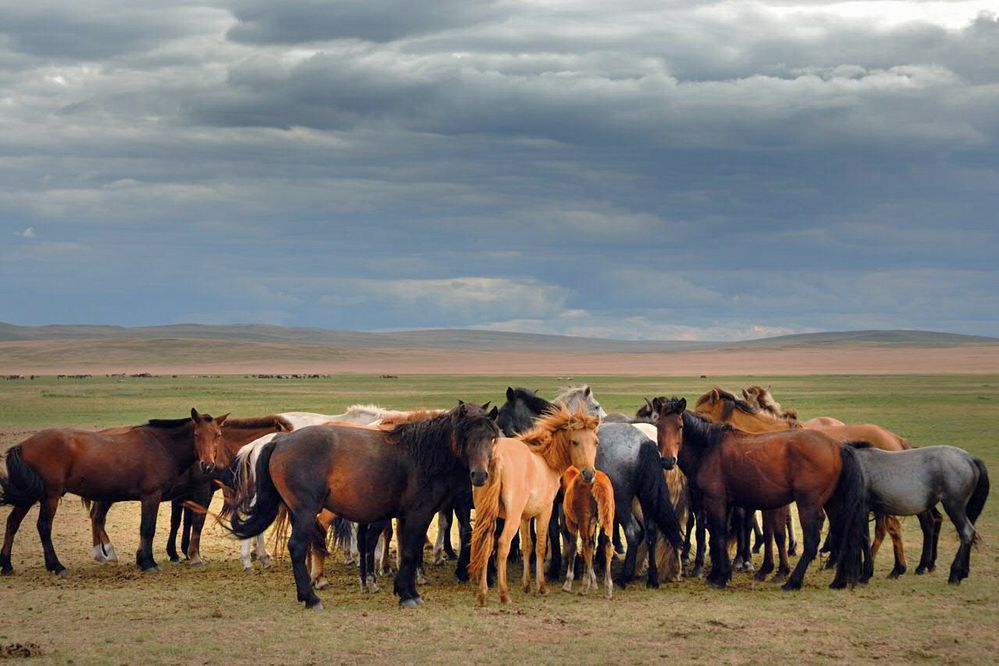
pixel 479 477
pixel 588 474
pixel 668 462
pixel 207 467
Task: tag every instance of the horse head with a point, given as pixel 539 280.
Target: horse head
pixel 474 436
pixel 207 439
pixel 669 428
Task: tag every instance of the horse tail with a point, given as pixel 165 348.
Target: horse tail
pixel 851 498
pixel 20 485
pixel 654 492
pixel 981 493
pixel 603 493
pixel 257 499
pixel 487 511
pixel 341 534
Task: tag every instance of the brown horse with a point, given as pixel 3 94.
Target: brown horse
pixel 726 467
pixel 525 475
pixel 586 503
pixel 193 486
pixel 721 406
pixel 366 476
pixel 141 463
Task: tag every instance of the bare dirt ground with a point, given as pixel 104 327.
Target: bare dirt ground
pixel 74 357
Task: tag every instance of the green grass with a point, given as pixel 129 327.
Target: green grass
pixel 113 614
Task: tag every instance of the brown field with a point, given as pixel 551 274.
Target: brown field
pixel 112 614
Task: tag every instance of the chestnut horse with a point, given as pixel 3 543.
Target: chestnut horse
pixel 761 400
pixel 722 407
pixel 586 503
pixel 727 467
pixel 366 476
pixel 525 475
pixel 142 463
pixel 191 486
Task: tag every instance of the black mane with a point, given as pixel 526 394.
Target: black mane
pixel 167 424
pixel 430 441
pixel 533 401
pixel 701 432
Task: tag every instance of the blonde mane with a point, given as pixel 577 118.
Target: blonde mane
pixel 551 436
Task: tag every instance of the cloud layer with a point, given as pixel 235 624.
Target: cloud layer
pixel 643 170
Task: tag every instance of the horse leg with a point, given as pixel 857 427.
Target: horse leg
pixel 443 529
pixel 960 567
pixel 880 530
pixel 46 514
pixel 245 554
pixel 685 554
pixel 194 523
pixel 554 534
pixel 783 567
pixel 303 535
pixel 185 530
pixel 769 534
pixel 176 514
pixel 701 536
pixel 792 545
pixel 147 530
pixel 462 513
pixel 263 558
pixel 526 547
pixel 103 548
pixel 588 544
pixel 412 534
pixel 937 523
pixel 543 523
pixel 632 534
pixel 618 544
pixel 926 524
pixel 503 544
pixel 651 537
pixel 14 519
pixel 811 530
pixel 721 567
pixel 362 549
pixel 748 528
pixel 570 557
pixel 895 531
pixel 607 546
pixel 757 534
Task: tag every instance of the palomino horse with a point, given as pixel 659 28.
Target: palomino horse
pixel 722 407
pixel 726 467
pixel 587 503
pixel 365 476
pixel 142 463
pixel 525 475
pixel 631 460
pixel 191 486
pixel 907 483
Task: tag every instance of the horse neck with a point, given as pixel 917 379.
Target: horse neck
pixel 177 442
pixel 553 452
pixel 233 439
pixel 757 423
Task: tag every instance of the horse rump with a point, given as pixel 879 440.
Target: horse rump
pixel 850 519
pixel 20 485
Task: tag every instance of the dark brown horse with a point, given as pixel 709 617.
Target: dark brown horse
pixel 366 476
pixel 726 467
pixel 193 485
pixel 141 463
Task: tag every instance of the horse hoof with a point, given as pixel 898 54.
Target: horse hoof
pixel 715 584
pixel 761 575
pixel 409 603
pixel 954 580
pixel 265 562
pixel 172 558
pixel 196 563
pixel 567 587
pixel 461 576
pixel 652 584
pixel 895 573
pixel 317 606
pixel 62 573
pixel 320 584
pixel 790 586
pixel 6 572
pixel 779 578
pixel 151 570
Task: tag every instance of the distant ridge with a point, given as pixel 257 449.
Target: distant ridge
pixel 472 339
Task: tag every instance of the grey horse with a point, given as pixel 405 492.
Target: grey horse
pixel 907 483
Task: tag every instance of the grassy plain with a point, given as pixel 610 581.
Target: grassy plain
pixel 113 614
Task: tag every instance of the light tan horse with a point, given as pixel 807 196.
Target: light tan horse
pixel 722 407
pixel 761 399
pixel 524 477
pixel 586 504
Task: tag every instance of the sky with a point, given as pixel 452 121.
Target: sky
pixel 630 169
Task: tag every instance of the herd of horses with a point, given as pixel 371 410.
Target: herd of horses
pixel 539 475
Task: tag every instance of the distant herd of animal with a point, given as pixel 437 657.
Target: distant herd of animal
pixel 545 474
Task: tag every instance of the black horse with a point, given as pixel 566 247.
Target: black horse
pixel 366 476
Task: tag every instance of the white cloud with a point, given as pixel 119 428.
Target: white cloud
pixel 28 232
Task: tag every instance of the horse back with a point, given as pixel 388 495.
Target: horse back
pixel 879 437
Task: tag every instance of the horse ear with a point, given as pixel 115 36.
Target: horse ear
pixel 715 395
pixel 486 406
pixel 462 409
pixel 587 391
pixel 683 405
pixel 194 415
pixel 745 394
pixel 509 393
pixel 220 420
pixel 493 413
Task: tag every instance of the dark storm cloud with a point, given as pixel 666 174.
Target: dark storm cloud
pixel 638 170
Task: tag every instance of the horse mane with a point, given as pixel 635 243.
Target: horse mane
pixel 432 442
pixel 550 438
pixel 669 406
pixel 566 393
pixel 704 433
pixel 534 402
pixel 857 444
pixel 369 409
pixel 765 402
pixel 167 424
pixel 253 423
pixel 409 417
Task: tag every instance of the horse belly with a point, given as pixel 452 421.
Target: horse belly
pixel 899 494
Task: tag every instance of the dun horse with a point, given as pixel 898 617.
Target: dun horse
pixel 142 463
pixel 365 475
pixel 587 503
pixel 525 476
